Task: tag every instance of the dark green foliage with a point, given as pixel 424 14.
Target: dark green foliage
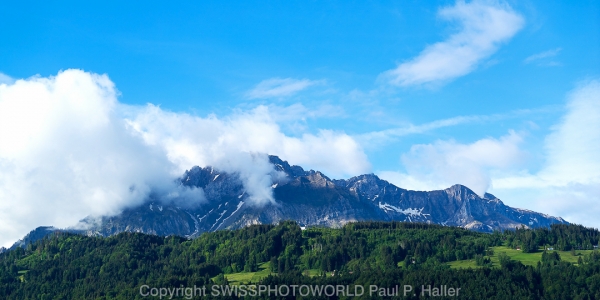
pixel 559 236
pixel 67 266
pixel 481 260
pixel 550 258
pixel 503 259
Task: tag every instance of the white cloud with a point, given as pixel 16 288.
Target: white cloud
pixel 412 182
pixel 5 79
pixel 298 111
pixel 445 163
pixel 379 137
pixel 64 154
pixel 574 146
pixel 542 55
pixel 568 184
pixel 577 203
pixel 294 118
pixel 279 87
pixel 383 136
pixel 208 140
pixel 484 25
pixel 69 149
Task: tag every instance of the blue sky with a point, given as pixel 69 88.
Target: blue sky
pixel 424 94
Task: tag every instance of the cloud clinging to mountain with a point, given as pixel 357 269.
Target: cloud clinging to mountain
pixel 444 163
pixel 69 149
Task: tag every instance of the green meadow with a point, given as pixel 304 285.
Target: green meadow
pixel 249 277
pixel 528 259
pixel 263 271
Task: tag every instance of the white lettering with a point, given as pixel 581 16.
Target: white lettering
pixel 332 290
pixel 372 289
pixel 407 289
pixel 307 290
pixel 142 293
pixel 428 290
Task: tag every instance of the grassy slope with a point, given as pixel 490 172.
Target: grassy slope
pixel 530 259
pixel 254 277
pixel 525 258
pixel 249 277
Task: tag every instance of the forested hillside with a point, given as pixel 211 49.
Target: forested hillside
pixel 68 266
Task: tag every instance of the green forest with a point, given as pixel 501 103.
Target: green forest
pixel 559 262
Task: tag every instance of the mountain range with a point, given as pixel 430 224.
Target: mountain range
pixel 311 199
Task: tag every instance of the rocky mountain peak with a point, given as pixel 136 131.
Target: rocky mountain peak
pixel 489 196
pixel 313 199
pixel 318 179
pixel 283 166
pixel 460 191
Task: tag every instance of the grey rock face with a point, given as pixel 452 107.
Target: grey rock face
pixel 311 198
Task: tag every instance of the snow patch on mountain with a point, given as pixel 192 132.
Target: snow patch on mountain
pixel 218 219
pixel 409 211
pixel 233 213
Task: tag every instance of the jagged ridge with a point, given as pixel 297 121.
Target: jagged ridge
pixel 312 199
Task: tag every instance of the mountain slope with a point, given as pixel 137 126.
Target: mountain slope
pixel 311 198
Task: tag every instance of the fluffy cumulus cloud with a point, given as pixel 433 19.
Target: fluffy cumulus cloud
pixel 279 87
pixel 444 163
pixel 484 26
pixel 190 140
pixel 65 154
pixel 69 149
pixel 568 184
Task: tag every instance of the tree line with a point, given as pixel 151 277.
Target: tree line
pixel 70 266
